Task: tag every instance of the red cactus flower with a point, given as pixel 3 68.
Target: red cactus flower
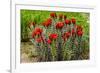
pixel 53 14
pixel 60 16
pixel 79 30
pixel 37 31
pixel 66 35
pixel 67 21
pixel 73 21
pixel 53 36
pixel 33 34
pixel 49 41
pixel 65 17
pixel 39 40
pixel 48 22
pixel 59 25
pixel 79 33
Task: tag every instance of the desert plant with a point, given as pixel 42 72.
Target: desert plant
pixel 58 38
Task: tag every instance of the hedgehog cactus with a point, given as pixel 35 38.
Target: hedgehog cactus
pixel 60 36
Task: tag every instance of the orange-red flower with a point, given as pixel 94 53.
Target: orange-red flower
pixel 53 15
pixel 79 30
pixel 59 25
pixel 66 35
pixel 53 36
pixel 48 22
pixel 67 21
pixel 49 41
pixel 73 20
pixel 79 33
pixel 33 34
pixel 37 31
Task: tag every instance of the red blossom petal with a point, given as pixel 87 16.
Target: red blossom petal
pixel 49 41
pixel 66 35
pixel 33 34
pixel 53 14
pixel 53 36
pixel 73 20
pixel 59 25
pixel 37 31
pixel 48 22
pixel 80 33
pixel 68 21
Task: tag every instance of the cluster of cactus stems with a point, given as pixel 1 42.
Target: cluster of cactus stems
pixel 57 38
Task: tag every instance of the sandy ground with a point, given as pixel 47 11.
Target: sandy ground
pixel 28 53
